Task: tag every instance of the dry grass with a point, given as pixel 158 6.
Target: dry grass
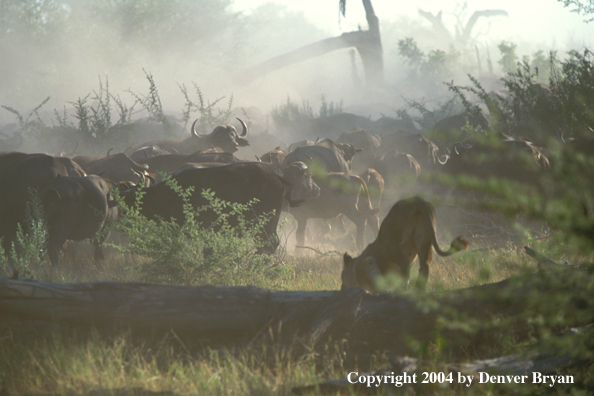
pixel 43 360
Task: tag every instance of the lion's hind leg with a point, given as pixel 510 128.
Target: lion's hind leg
pixel 425 252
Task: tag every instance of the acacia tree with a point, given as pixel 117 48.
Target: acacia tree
pixel 583 7
pixel 463 29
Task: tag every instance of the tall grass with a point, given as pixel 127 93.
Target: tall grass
pixel 59 361
pixel 49 358
pixel 292 115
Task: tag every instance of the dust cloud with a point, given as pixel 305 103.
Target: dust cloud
pixel 69 50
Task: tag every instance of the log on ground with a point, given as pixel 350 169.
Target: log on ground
pixel 226 316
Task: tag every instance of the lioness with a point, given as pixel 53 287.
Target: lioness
pixel 407 231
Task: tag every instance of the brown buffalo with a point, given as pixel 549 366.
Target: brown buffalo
pixel 365 141
pixel 375 183
pixel 504 157
pixel 397 167
pixel 340 193
pixel 325 155
pixel 145 152
pixel 274 157
pixel 421 148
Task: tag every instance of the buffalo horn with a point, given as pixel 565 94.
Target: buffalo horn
pixel 152 179
pixel 443 159
pixel 245 128
pixel 302 165
pixel 141 176
pixel 194 130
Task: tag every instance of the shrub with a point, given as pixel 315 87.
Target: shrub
pixel 29 247
pixel 226 252
pixel 27 125
pixel 291 115
pixel 210 116
pixel 557 111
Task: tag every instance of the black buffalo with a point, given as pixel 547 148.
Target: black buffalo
pixel 21 175
pixel 500 158
pixel 115 168
pixel 223 136
pixel 76 208
pixel 326 155
pixel 170 162
pixel 241 183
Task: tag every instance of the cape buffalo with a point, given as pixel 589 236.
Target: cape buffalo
pixel 223 136
pixel 241 183
pixel 76 208
pixel 21 175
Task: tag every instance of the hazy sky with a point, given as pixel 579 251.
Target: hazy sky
pixel 542 22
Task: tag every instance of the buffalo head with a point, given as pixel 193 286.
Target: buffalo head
pixel 224 136
pixel 303 187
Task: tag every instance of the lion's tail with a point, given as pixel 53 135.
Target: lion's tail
pixel 458 243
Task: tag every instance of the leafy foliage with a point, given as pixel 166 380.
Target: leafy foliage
pixel 427 117
pixel 562 198
pixel 509 59
pixel 208 113
pixel 583 7
pixel 558 110
pixel 29 248
pixel 192 253
pixel 436 65
pixel 27 125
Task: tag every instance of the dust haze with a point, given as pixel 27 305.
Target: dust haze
pixel 69 50
pixel 73 51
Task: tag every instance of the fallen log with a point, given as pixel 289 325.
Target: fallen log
pixel 226 316
pixel 231 316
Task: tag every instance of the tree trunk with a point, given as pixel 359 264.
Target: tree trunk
pixel 367 42
pixel 225 316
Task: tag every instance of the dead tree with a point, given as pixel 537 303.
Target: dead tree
pixel 463 35
pixel 367 42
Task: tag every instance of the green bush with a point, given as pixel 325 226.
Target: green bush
pixel 559 110
pixel 557 301
pixel 30 245
pixel 223 253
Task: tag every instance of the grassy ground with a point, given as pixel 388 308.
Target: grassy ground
pixel 41 360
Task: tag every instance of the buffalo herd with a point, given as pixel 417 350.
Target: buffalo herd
pixel 340 175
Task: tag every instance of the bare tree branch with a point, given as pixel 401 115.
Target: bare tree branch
pixel 367 42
